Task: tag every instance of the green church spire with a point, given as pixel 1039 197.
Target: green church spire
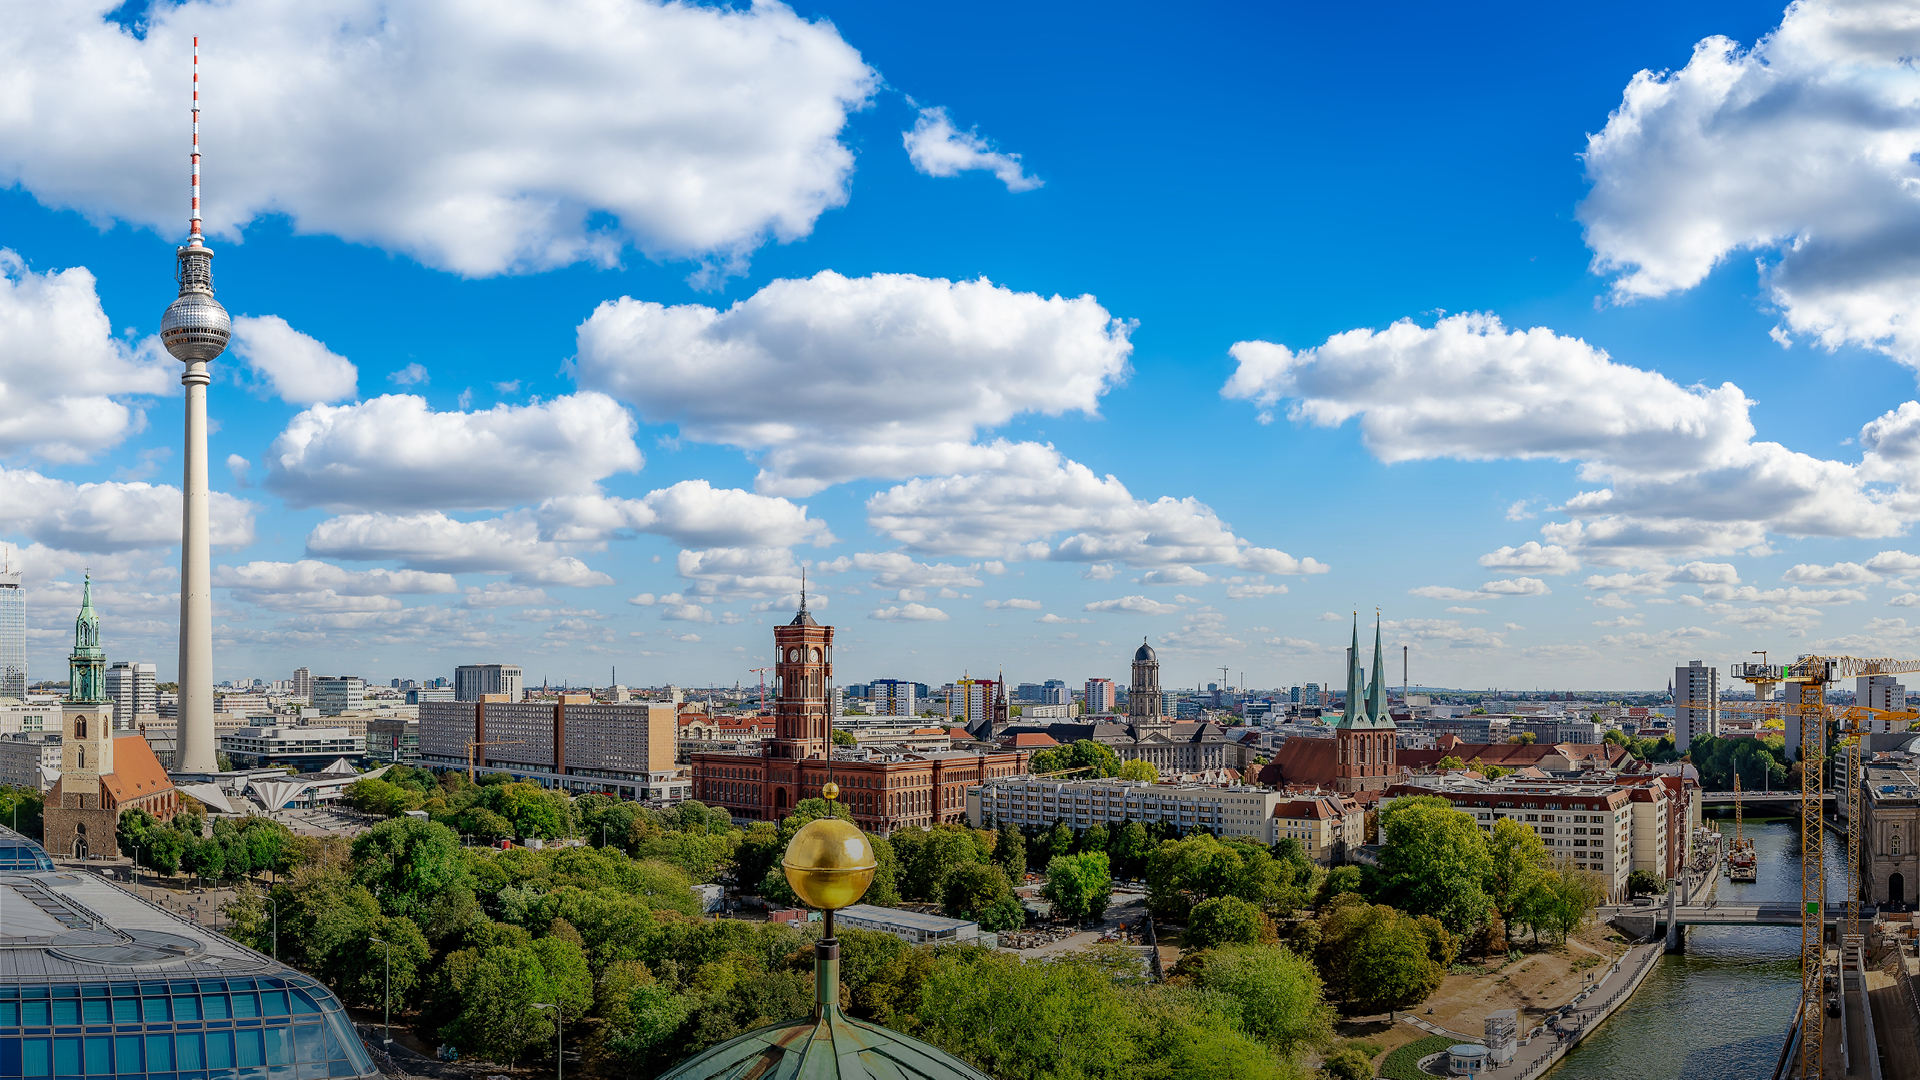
pixel 86 668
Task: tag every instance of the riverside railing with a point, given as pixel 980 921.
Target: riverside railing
pixel 1593 1014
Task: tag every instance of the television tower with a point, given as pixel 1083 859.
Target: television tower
pixel 195 330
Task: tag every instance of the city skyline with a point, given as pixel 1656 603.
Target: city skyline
pixel 899 340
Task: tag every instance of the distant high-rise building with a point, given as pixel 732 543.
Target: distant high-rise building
pixel 893 697
pixel 1055 692
pixel 336 694
pixel 303 684
pixel 1880 692
pixel 13 635
pixel 131 686
pixel 1102 696
pixel 970 701
pixel 1030 692
pixel 1696 699
pixel 472 680
pixel 1310 694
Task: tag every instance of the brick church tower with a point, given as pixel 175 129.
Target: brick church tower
pixel 1365 736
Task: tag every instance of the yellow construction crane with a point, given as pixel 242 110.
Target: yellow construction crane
pixel 472 746
pixel 1806 680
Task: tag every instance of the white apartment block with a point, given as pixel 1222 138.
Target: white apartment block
pixel 1591 827
pixel 131 686
pixel 336 694
pixel 1881 692
pixel 893 697
pixel 1102 696
pixel 970 701
pixel 1696 700
pixel 1259 814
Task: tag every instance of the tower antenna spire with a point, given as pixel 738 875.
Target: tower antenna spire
pixel 193 223
pixel 803 588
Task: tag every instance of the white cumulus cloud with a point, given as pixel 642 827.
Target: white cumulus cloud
pixel 837 378
pixel 1531 556
pixel 937 148
pixel 1683 475
pixel 110 516
pixel 1136 605
pixel 395 452
pixel 691 512
pixel 1800 148
pixel 300 369
pixel 434 542
pixel 64 377
pixel 1492 590
pixel 476 137
pixel 1025 605
pixel 908 613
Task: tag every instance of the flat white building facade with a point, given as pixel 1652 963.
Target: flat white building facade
pixel 1696 703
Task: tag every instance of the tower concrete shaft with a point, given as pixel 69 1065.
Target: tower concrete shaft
pixel 195 330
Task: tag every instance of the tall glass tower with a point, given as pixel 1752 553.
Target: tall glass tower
pixel 13 636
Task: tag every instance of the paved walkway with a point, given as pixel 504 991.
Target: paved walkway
pixel 1542 1053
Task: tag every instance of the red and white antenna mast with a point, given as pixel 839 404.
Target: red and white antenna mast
pixel 193 230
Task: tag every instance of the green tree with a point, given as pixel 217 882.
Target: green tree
pixel 1018 1021
pixel 1010 852
pixel 1139 770
pixel 405 862
pixel 1097 758
pixel 972 889
pixel 1182 873
pixel 1435 859
pixel 1516 857
pixel 23 810
pixel 1079 886
pixel 844 738
pixel 1130 848
pixel 1223 920
pixel 1377 958
pixel 1646 883
pixel 1277 996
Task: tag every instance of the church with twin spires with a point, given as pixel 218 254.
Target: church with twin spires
pixel 1360 759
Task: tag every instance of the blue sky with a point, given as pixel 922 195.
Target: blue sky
pixel 1211 326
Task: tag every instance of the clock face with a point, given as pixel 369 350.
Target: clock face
pixel 813 655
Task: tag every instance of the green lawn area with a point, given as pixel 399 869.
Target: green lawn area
pixel 1403 1064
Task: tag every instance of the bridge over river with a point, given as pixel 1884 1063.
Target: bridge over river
pixel 1647 919
pixel 1772 799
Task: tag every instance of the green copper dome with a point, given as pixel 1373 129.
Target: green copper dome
pixel 829 1045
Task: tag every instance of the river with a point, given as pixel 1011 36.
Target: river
pixel 1719 1010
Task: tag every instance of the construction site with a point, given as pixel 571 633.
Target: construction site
pixel 1858 1013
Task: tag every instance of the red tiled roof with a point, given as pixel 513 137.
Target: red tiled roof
pixel 1026 739
pixel 1301 760
pixel 136 772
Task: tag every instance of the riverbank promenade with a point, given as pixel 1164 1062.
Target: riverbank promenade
pixel 1545 1044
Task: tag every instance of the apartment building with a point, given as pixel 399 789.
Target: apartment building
pixel 1696 699
pixel 1326 824
pixel 1590 826
pixel 1102 696
pixel 570 742
pixel 336 694
pixel 473 681
pixel 893 697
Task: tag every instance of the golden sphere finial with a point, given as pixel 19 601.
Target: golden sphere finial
pixel 829 863
pixel 831 791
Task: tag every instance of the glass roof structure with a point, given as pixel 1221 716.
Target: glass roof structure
pixel 97 982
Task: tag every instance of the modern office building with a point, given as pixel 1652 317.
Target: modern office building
pixel 306 749
pixel 1055 692
pixel 1696 703
pixel 429 693
pixel 571 742
pixel 131 686
pixel 29 760
pixel 95 981
pixel 393 740
pixel 13 636
pixel 336 694
pixel 303 685
pixel 1102 696
pixel 893 697
pixel 472 681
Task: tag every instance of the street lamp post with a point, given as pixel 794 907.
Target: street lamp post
pixel 275 905
pixel 559 1022
pixel 386 996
